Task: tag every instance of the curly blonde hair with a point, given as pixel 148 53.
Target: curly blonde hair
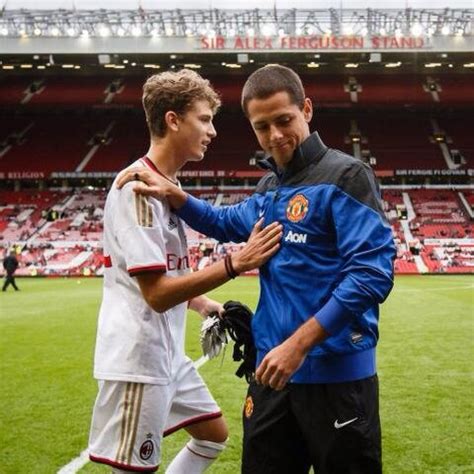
pixel 176 91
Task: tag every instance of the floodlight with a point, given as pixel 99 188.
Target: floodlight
pixel 416 30
pixel 268 29
pixel 104 30
pixel 347 30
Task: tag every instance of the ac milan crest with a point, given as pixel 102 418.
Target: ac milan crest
pixel 146 449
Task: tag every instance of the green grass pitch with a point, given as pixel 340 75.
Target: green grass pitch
pixel 425 361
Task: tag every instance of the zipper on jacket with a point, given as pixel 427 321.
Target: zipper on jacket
pixel 275 197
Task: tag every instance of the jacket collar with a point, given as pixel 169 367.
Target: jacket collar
pixel 310 151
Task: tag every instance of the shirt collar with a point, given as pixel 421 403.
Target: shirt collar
pixel 310 151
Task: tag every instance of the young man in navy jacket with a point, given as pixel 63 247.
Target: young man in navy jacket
pixel 314 400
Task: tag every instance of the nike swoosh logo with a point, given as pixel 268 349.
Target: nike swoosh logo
pixel 338 425
pixel 261 213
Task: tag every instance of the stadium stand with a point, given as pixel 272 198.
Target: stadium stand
pixel 23 213
pixel 71 91
pixel 71 244
pixel 94 125
pixel 456 89
pixel 13 90
pixel 53 143
pixel 407 146
pixel 460 137
pixel 125 142
pixel 129 92
pixel 399 90
pixel 374 90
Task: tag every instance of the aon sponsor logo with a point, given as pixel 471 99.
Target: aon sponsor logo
pixel 296 237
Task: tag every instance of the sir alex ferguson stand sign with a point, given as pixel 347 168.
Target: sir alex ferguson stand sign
pixel 316 42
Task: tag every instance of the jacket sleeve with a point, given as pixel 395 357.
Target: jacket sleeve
pixel 230 223
pixel 365 242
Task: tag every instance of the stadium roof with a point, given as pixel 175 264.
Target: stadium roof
pixel 223 4
pixel 134 35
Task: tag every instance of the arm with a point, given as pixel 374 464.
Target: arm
pixel 205 306
pixel 162 292
pixel 284 360
pixel 230 223
pixel 365 242
pixel 138 227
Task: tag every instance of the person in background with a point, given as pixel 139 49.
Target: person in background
pixel 10 264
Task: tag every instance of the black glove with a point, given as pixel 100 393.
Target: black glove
pixel 238 321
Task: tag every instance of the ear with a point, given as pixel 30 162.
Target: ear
pixel 308 109
pixel 172 121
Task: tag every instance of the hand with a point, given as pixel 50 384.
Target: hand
pixel 150 183
pixel 262 244
pixel 205 306
pixel 284 360
pixel 280 364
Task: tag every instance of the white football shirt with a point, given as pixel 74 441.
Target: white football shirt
pixel 135 343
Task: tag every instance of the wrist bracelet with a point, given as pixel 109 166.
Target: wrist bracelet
pixel 226 265
pixel 229 267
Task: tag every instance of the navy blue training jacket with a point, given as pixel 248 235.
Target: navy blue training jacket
pixel 335 262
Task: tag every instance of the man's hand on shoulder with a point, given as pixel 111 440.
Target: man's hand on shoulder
pixel 150 183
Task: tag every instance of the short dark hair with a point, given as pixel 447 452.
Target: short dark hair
pixel 176 91
pixel 271 79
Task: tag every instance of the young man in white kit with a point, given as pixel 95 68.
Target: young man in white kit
pixel 148 388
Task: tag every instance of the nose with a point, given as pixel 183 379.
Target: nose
pixel 275 133
pixel 212 131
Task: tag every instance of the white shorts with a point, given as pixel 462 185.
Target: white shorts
pixel 130 419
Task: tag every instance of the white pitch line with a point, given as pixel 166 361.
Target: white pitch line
pixel 75 464
pixel 78 463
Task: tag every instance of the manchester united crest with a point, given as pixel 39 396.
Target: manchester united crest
pixel 248 407
pixel 297 208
